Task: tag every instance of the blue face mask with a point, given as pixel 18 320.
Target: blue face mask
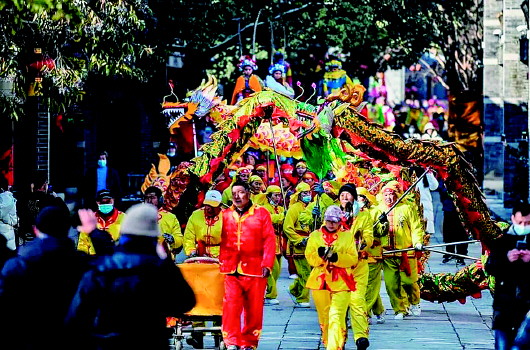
pixel 102 163
pixel 105 208
pixel 521 230
pixel 356 208
pixel 306 199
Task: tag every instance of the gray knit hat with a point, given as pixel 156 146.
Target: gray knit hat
pixel 141 220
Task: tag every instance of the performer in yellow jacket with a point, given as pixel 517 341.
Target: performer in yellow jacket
pixel 257 196
pixel 374 304
pixel 332 252
pixel 297 233
pixel 167 222
pixel 400 270
pixel 360 224
pixel 273 205
pixel 108 219
pixel 327 194
pixel 202 236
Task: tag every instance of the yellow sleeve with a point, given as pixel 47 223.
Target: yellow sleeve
pixel 348 256
pixel 169 224
pixel 416 228
pixel 84 244
pixel 278 218
pixel 289 224
pixel 306 216
pixel 190 236
pixel 368 230
pixel 311 251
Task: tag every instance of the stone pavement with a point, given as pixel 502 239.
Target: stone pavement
pixel 441 326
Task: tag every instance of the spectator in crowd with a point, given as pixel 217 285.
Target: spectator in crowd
pixel 36 287
pixel 117 304
pixel 8 215
pixel 509 263
pixel 101 177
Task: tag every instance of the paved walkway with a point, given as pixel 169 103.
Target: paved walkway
pixel 441 326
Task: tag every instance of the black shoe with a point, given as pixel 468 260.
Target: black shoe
pixel 362 343
pixel 460 262
pixel 446 259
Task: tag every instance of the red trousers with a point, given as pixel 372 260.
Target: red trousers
pixel 243 296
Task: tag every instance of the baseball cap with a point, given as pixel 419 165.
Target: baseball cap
pixel 212 198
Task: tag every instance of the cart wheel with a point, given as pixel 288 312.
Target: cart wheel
pixel 178 345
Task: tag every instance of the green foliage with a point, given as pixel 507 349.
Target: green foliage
pixel 132 38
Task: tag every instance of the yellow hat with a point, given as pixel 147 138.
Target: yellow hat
pixel 273 189
pixel 255 178
pixel 393 186
pixel 261 167
pixel 301 187
pixel 361 191
pixel 301 164
pixel 243 170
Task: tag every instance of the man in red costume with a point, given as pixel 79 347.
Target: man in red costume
pixel 247 256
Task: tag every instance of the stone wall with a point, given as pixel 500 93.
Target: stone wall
pixel 506 92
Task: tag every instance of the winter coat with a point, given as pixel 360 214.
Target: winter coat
pixel 36 289
pixel 511 300
pixel 8 218
pixel 123 302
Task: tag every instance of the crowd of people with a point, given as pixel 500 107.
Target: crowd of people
pixel 339 238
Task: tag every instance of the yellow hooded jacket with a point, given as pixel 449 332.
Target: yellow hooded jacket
pixel 337 276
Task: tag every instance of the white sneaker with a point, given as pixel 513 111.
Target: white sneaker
pixel 415 310
pixel 399 316
pixel 293 276
pixel 304 305
pixel 272 301
pixel 380 319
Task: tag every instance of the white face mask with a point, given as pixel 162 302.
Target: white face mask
pixel 521 230
pixel 102 163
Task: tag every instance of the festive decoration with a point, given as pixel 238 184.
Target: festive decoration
pixel 336 135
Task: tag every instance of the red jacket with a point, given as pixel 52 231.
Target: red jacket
pixel 247 242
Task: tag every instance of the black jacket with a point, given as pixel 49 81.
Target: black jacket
pixel 36 289
pixel 123 303
pixel 511 299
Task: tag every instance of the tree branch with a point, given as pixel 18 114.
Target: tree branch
pixel 257 24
